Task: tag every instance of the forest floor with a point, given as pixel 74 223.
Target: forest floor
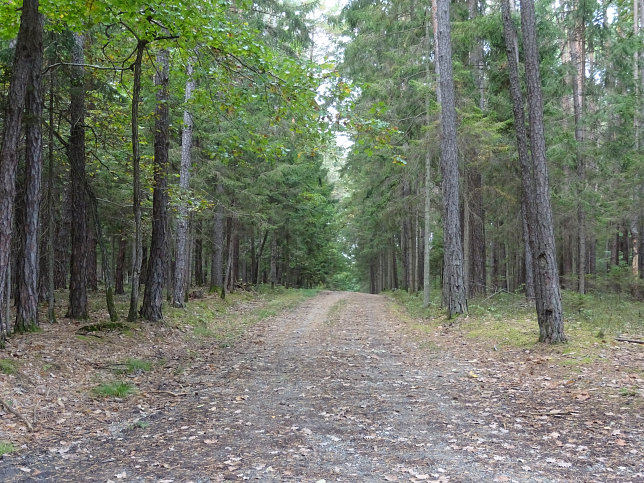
pixel 343 387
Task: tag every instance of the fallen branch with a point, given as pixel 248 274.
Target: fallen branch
pixel 632 341
pixel 557 413
pixel 16 414
pixel 175 394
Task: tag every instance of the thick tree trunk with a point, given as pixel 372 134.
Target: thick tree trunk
pixel 453 283
pixel 181 266
pixel 548 296
pixel 27 310
pixel 26 66
pixel 77 308
pixel 156 275
pixel 137 259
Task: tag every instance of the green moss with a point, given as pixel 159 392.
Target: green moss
pixel 7 366
pixel 6 448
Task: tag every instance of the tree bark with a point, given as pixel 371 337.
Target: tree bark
pixel 184 184
pixel 273 274
pixel 153 295
pixel 198 255
pixel 216 266
pixel 453 284
pixel 77 308
pixel 547 294
pixel 137 259
pixel 528 262
pixel 27 310
pixel 51 229
pixel 120 266
pixel 27 61
pixel 577 57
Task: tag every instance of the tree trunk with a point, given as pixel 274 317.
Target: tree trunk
pixel 216 267
pixel 184 184
pixel 547 294
pixel 273 275
pixel 198 255
pixel 577 57
pixel 120 266
pixel 428 232
pixel 92 258
pixel 63 230
pixel 25 74
pixel 453 284
pixel 528 262
pixel 77 308
pixel 105 261
pixel 155 280
pixel 51 228
pixel 259 258
pixel 137 259
pixel 27 310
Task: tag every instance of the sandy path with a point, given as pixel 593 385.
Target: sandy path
pixel 335 390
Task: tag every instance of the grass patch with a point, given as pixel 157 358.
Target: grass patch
pixel 604 314
pixel 6 448
pixel 225 321
pixel 7 366
pixel 578 361
pixel 508 321
pixel 118 389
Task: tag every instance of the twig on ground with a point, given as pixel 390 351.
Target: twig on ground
pixel 632 341
pixel 16 414
pixel 175 394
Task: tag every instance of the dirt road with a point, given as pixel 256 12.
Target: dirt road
pixel 336 390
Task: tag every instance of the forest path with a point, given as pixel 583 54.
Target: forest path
pixel 336 390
